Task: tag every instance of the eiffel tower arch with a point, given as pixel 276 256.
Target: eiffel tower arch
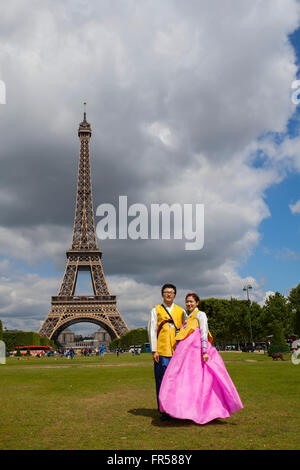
pixel 84 255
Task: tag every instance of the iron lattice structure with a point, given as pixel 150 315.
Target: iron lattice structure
pixel 100 308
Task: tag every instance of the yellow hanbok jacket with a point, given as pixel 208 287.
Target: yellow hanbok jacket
pixel 189 326
pixel 166 339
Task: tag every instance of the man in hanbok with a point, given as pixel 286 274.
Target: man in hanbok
pixel 164 322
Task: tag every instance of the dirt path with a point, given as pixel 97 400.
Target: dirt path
pixel 68 366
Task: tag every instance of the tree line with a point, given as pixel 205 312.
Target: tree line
pixel 229 321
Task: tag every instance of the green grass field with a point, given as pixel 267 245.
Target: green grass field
pixel 89 404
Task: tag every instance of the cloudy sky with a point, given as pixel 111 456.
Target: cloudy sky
pixel 189 103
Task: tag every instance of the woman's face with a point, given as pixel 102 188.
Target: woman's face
pixel 190 303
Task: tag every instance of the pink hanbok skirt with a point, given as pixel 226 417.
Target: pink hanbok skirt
pixel 197 390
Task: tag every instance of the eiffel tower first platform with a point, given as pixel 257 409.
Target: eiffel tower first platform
pixel 100 308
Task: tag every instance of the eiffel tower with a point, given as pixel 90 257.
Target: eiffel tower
pixel 84 255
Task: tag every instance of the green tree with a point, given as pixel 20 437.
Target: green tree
pixel 277 311
pixel 217 314
pixel 114 344
pixel 278 333
pixel 1 331
pixel 238 318
pixel 256 313
pixel 135 337
pixel 228 320
pixel 44 341
pixel 9 339
pixel 294 298
pixel 278 343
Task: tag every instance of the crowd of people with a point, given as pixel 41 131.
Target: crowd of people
pixel 69 353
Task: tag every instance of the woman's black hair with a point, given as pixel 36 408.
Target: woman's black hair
pixel 192 294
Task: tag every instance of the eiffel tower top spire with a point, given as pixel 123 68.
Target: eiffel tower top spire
pixel 84 234
pixel 84 127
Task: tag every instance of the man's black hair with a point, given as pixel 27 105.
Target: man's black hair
pixel 168 286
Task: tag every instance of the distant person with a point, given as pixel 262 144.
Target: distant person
pixel 164 320
pixel 295 343
pixel 196 384
pixel 102 351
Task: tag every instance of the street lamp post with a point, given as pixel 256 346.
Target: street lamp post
pixel 247 288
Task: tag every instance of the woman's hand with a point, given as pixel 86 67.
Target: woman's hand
pixel 205 357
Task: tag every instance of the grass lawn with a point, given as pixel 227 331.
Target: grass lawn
pixel 90 404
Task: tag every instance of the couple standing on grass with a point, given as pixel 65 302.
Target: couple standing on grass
pixel 192 381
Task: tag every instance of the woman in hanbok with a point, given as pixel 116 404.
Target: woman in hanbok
pixel 196 384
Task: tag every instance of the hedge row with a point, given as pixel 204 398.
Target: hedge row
pixel 24 338
pixel 279 348
pixel 135 337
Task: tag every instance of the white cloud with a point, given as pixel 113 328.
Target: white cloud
pixel 295 208
pixel 162 132
pixel 35 244
pixel 267 295
pixel 25 299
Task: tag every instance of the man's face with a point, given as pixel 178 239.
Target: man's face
pixel 168 295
